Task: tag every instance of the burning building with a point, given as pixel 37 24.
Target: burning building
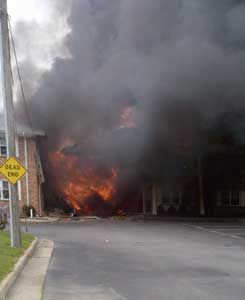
pixel 138 79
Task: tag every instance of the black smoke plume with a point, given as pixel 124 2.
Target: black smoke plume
pixel 179 65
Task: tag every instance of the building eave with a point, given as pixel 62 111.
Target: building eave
pixel 27 133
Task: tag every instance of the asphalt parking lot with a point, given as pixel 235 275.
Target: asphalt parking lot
pixel 106 260
pixel 230 230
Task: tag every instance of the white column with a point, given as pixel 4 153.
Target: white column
pixel 154 200
pixel 144 199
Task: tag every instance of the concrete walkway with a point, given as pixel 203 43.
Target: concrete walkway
pixel 30 283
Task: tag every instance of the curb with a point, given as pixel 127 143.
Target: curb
pixel 6 284
pixel 39 220
pixel 49 260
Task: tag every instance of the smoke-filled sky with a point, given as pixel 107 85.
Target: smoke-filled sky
pixel 39 30
pixel 176 63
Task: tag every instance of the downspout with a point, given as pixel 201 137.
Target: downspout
pixel 40 199
pixel 27 173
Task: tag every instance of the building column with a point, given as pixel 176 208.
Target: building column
pixel 144 200
pixel 154 200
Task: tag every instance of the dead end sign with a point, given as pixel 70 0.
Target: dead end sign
pixel 13 170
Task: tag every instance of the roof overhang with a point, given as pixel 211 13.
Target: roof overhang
pixel 28 133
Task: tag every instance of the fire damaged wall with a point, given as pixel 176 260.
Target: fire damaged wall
pixel 142 80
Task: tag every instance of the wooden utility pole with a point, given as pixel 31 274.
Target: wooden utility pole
pixel 6 81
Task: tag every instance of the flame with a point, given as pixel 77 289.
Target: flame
pixel 66 142
pixel 120 212
pixel 127 118
pixel 79 183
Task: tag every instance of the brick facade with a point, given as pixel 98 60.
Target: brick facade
pixel 30 186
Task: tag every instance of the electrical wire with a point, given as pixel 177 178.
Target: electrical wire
pixel 20 77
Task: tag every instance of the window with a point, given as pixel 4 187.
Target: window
pixel 3 146
pixel 235 198
pixel 176 197
pixel 4 190
pixel 230 198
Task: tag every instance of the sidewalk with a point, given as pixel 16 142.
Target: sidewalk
pixel 30 283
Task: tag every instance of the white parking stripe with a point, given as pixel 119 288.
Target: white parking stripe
pixel 222 230
pixel 236 237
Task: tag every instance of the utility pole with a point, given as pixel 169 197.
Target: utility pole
pixel 9 119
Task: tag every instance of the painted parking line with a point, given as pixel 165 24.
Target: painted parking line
pixel 236 237
pixel 237 232
pixel 224 227
pixel 219 225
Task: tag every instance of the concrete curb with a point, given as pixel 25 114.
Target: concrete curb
pixel 49 260
pixel 6 284
pixel 34 272
pixel 39 220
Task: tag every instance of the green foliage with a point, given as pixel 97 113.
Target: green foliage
pixel 9 255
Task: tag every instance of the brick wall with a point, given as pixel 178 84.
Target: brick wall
pixel 33 178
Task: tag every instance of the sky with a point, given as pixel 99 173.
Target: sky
pixel 44 29
pixel 28 10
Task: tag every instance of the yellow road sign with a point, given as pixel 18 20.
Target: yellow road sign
pixel 13 170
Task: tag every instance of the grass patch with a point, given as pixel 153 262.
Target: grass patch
pixel 9 255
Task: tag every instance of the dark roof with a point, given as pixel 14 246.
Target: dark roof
pixel 22 129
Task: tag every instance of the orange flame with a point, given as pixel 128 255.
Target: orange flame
pixel 77 184
pixel 127 118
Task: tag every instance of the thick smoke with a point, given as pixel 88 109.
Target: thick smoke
pixel 179 64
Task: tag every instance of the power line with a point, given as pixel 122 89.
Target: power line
pixel 20 77
pixel 24 100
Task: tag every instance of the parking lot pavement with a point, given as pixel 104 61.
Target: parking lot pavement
pixel 230 230
pixel 111 260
